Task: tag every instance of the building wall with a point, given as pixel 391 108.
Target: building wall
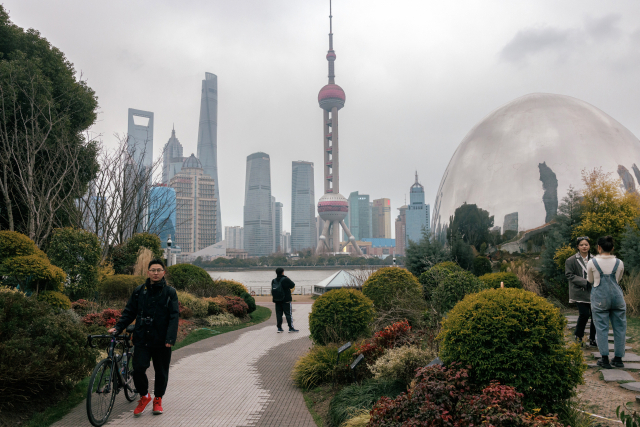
pixel 258 214
pixel 401 231
pixel 278 229
pixel 381 218
pixel 140 136
pixel 303 206
pixel 172 158
pixel 359 217
pixel 162 213
pixel 234 237
pixel 418 213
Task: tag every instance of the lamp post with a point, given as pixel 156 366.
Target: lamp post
pixel 168 251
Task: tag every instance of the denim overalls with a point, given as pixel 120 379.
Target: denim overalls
pixel 607 303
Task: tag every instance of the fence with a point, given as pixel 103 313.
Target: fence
pixel 266 290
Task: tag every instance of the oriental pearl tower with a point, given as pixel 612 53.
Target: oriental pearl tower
pixel 333 207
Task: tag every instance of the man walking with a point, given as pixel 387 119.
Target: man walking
pixel 154 307
pixel 281 293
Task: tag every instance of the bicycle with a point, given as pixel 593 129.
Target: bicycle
pixel 106 381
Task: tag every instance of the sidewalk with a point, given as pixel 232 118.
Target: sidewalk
pixel 241 378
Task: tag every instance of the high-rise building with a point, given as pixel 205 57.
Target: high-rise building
pixel 234 237
pixel 286 242
pixel 417 214
pixel 401 230
pixel 196 219
pixel 381 219
pixel 139 164
pixel 258 213
pixel 278 227
pixel 333 207
pixel 303 206
pixel 162 213
pixel 208 137
pixel 359 216
pixel 140 137
pixel 171 158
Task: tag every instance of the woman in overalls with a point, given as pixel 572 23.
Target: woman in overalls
pixel 607 302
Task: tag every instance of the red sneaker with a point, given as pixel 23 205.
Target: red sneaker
pixel 142 405
pixel 157 406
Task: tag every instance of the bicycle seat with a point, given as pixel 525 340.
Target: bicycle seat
pixel 130 329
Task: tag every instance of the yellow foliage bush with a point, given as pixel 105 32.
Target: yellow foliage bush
pixel 563 254
pixel 55 299
pixel 35 272
pixel 198 306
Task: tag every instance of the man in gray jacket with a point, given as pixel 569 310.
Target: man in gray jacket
pixel 575 269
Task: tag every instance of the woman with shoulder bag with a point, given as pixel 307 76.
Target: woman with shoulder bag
pixel 575 270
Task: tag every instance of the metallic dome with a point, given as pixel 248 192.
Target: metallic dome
pixel 331 96
pixel 192 162
pixel 333 207
pixel 521 159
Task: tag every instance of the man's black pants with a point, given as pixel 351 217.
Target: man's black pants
pixel 283 307
pixel 142 360
pixel 584 310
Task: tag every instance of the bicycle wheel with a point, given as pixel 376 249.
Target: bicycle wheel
pixel 128 378
pixel 101 393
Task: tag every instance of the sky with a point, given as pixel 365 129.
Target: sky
pixel 417 76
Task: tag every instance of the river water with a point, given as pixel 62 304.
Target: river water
pixel 260 280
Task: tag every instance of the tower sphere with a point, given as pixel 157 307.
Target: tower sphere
pixel 520 160
pixel 331 56
pixel 333 207
pixel 331 96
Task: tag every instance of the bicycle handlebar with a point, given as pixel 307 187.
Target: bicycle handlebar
pixel 90 338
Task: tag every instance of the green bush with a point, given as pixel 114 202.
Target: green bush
pixel 493 280
pixel 119 286
pixel 215 306
pixel 34 273
pixel 192 279
pixel 430 278
pixel 39 350
pixel 383 286
pixel 124 256
pixel 55 299
pixel 319 366
pixel 481 266
pixel 198 306
pixel 14 244
pixel 446 285
pixel 77 252
pixel 401 363
pixel 340 315
pixel 230 287
pixel 223 319
pixel 517 338
pixel 359 397
pixel 251 302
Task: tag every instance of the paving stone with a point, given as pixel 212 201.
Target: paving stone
pixel 616 375
pixel 628 357
pixel 611 338
pixel 631 386
pixel 631 366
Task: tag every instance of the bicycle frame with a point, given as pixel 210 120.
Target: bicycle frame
pixel 120 383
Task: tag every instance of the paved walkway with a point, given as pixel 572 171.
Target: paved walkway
pixel 241 378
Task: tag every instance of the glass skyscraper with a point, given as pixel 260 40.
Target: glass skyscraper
pixel 303 207
pixel 359 219
pixel 278 228
pixel 162 213
pixel 417 214
pixel 258 212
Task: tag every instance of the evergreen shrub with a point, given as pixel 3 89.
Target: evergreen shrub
pixel 236 306
pixel 215 306
pixel 432 276
pixel 14 244
pixel 400 363
pixel 230 287
pixel 447 285
pixel 392 336
pixel 384 285
pixel 481 266
pixel 515 337
pixel 493 280
pixel 34 273
pixel 198 306
pixel 360 397
pixel 39 350
pixel 223 319
pixel 192 279
pixel 55 299
pixel 340 315
pixel 83 307
pixel 250 301
pixel 119 286
pixel 107 318
pixel 319 366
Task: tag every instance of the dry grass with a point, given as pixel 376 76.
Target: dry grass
pixel 142 263
pixel 631 286
pixel 528 277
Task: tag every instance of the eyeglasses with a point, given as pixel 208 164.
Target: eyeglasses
pixel 156 271
pixel 579 239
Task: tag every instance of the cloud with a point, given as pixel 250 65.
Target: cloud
pixel 534 40
pixel 604 27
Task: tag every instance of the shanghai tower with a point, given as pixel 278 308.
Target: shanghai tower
pixel 208 137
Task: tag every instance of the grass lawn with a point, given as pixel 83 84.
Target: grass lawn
pixel 79 391
pixel 318 400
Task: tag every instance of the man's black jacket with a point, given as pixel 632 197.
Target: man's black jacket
pixel 158 301
pixel 287 284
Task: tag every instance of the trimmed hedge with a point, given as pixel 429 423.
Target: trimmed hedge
pixel 119 286
pixel 340 315
pixel 517 338
pixel 430 278
pixel 384 285
pixel 230 287
pixel 445 285
pixel 34 273
pixel 250 301
pixel 14 244
pixel 55 299
pixel 190 278
pixel 493 280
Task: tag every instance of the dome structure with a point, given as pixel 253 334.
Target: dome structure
pixel 330 96
pixel 520 160
pixel 192 162
pixel 333 207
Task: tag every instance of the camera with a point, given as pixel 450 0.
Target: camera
pixel 146 321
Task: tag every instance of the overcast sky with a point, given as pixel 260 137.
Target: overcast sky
pixel 418 76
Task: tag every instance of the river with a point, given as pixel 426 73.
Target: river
pixel 260 280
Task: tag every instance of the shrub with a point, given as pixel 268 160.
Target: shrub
pixel 319 366
pixel 430 278
pixel 340 315
pixel 355 398
pixel 445 286
pixel 39 350
pixel 230 287
pixel 444 396
pixel 106 318
pixel 392 336
pixel 119 286
pixel 237 306
pixel 481 266
pixel 124 256
pixel 34 273
pixel 515 337
pixel 383 286
pixel 215 307
pixel 493 280
pixel 195 280
pixel 185 312
pixel 77 252
pixel 82 306
pixel 223 319
pixel 14 244
pixel 55 299
pixel 251 302
pixel 401 363
pixel 361 419
pixel 198 306
pixel 631 291
pixel 562 255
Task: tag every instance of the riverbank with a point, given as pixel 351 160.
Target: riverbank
pixel 298 267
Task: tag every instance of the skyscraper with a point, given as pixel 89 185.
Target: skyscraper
pixel 140 137
pixel 381 219
pixel 401 230
pixel 208 136
pixel 417 214
pixel 196 207
pixel 258 214
pixel 303 206
pixel 332 206
pixel 162 213
pixel 359 217
pixel 278 228
pixel 171 158
pixel 234 236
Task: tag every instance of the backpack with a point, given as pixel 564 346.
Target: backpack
pixel 276 289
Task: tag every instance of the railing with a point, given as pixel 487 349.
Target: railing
pixel 266 290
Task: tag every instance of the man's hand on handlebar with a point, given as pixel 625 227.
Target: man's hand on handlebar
pixel 112 330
